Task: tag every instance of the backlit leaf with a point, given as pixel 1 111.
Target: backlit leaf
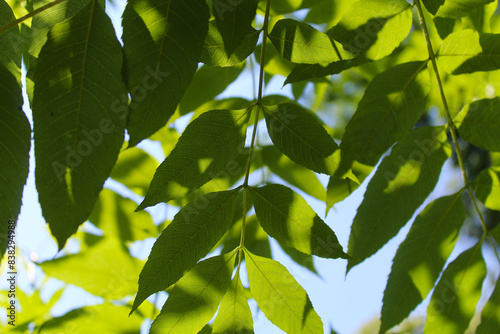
pixel 421 257
pixel 453 8
pixel 162 43
pixel 454 299
pixel 194 299
pixel 490 315
pixel 77 134
pixel 284 302
pixel 195 230
pixel 401 183
pixel 287 217
pixel 206 146
pixel 487 187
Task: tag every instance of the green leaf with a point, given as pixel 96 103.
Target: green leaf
pixel 300 258
pixel 391 106
pixel 295 174
pixel 284 302
pixel 300 136
pixel 214 52
pixel 195 230
pixel 102 318
pixel 105 269
pixel 453 8
pixel 339 189
pixel 11 42
pixel 479 124
pixel 421 257
pixel 487 187
pixel 162 42
pixel 234 21
pixel 77 135
pixel 194 299
pixel 288 218
pixel 256 239
pixel 206 147
pixel 490 321
pixel 135 169
pixel 401 183
pixel 112 215
pixel 234 316
pixel 300 43
pixel 467 51
pixel 208 82
pixel 454 299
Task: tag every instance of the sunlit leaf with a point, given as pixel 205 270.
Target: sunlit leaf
pixel 302 259
pixel 195 230
pixel 256 239
pixel 339 189
pixel 421 257
pixel 162 44
pixel 234 316
pixel 284 302
pixel 401 183
pixel 194 299
pixel 288 218
pixel 487 187
pixel 454 299
pixel 77 134
pixel 206 147
pixel 453 8
pixel 490 315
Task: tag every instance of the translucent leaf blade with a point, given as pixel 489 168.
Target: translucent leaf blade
pixel 421 257
pixel 284 302
pixel 77 135
pixel 487 187
pixel 401 183
pixel 287 217
pixel 206 146
pixel 490 321
pixel 195 230
pixel 194 299
pixel 453 8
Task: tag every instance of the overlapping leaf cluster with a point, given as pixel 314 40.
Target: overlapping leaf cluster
pixel 87 91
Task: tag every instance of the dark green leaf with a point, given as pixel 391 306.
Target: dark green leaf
pixel 401 183
pixel 300 136
pixel 487 187
pixel 287 217
pixel 421 257
pixel 162 43
pixel 339 189
pixel 206 147
pixel 78 135
pixel 300 258
pixel 479 124
pixel 454 299
pixel 284 302
pixel 393 102
pixel 256 239
pixel 194 299
pixel 453 8
pixel 490 321
pixel 195 230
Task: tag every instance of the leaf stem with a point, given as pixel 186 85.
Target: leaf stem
pixel 27 16
pixel 449 119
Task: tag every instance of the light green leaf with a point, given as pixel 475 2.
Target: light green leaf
pixel 479 124
pixel 391 106
pixel 208 82
pixel 467 51
pixel 112 214
pixel 421 257
pixel 11 43
pixel 194 299
pixel 234 316
pixel 214 52
pixel 339 189
pixel 234 21
pixel 206 147
pixel 162 40
pixel 102 318
pixel 300 43
pixel 195 230
pixel 288 218
pixel 490 315
pixel 256 239
pixel 327 11
pixel 105 269
pixel 401 183
pixel 454 299
pixel 77 135
pixel 487 187
pixel 284 302
pixel 453 8
pixel 295 174
pixel 300 136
